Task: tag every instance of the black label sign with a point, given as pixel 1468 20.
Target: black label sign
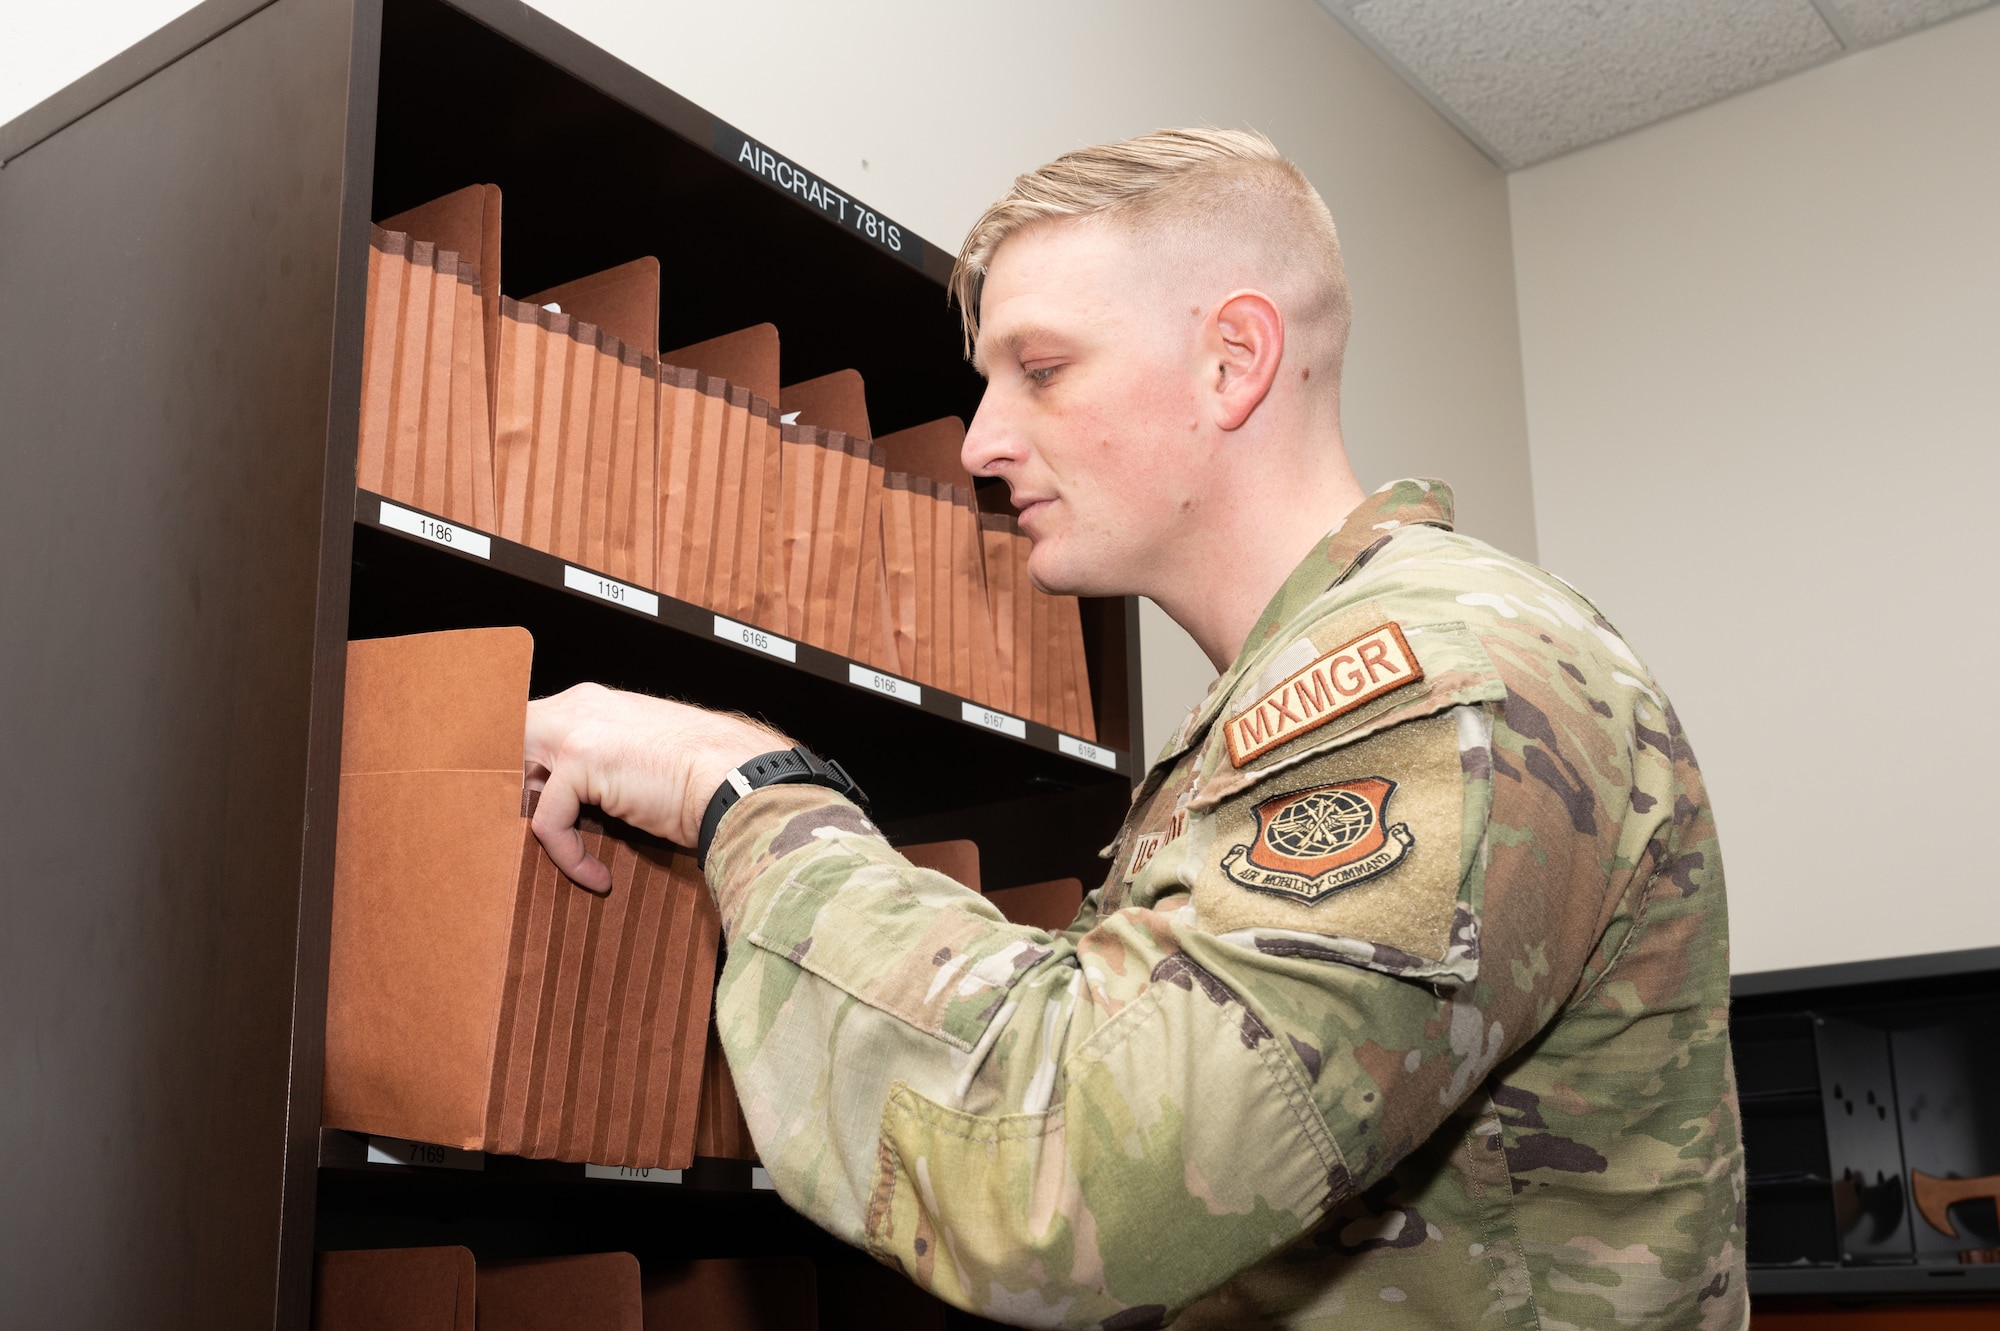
pixel 841 207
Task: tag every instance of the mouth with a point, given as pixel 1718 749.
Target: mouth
pixel 1026 505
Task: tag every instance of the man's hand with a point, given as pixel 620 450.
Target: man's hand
pixel 652 763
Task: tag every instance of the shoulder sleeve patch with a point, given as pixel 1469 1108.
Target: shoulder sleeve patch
pixel 1362 841
pixel 1350 676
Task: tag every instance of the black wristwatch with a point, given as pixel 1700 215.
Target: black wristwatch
pixel 783 767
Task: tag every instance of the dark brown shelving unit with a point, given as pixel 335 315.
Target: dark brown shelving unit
pixel 183 254
pixel 1852 1076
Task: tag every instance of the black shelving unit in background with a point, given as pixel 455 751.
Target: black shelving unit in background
pixel 1852 1077
pixel 183 259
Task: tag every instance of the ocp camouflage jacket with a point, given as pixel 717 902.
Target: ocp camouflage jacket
pixel 1404 1003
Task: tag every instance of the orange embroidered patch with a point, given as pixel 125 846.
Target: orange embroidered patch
pixel 1312 843
pixel 1359 672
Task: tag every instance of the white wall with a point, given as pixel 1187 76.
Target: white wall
pixel 927 111
pixel 1761 345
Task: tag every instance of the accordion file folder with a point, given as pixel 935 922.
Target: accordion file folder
pixel 477 998
pixel 394 1289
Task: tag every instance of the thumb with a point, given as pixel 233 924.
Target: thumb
pixel 555 827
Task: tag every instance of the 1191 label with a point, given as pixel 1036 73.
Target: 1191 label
pixel 609 589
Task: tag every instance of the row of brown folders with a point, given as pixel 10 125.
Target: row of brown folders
pixel 445 1289
pixel 477 998
pixel 557 423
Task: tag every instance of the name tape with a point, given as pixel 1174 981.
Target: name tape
pixel 447 534
pixel 1350 675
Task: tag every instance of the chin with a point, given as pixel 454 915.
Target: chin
pixel 1061 572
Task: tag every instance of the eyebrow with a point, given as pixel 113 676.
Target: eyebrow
pixel 1010 340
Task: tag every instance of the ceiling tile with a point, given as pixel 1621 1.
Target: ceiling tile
pixel 1878 20
pixel 1535 78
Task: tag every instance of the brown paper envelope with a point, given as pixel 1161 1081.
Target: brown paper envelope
pixel 930 450
pixel 471 421
pixel 956 860
pixel 680 406
pixel 960 529
pixel 406 406
pixel 434 430
pixel 747 357
pixel 608 361
pixel 691 1042
pixel 899 558
pixel 836 401
pixel 1051 905
pixel 831 479
pixel 733 1294
pixel 519 376
pixel 466 221
pixel 869 601
pixel 767 609
pixel 693 987
pixel 730 466
pixel 430 795
pixel 800 483
pixel 1069 643
pixel 656 1053
pixel 545 449
pixel 403 1289
pixel 623 301
pixel 750 513
pixel 1046 685
pixel 567 968
pixel 1000 605
pixel 705 488
pixel 647 954
pixel 847 547
pixel 721 1132
pixel 622 459
pixel 573 461
pixel 594 1055
pixel 1086 710
pixel 537 916
pixel 598 1292
pixel 646 478
pixel 987 685
pixel 388 275
pixel 923 550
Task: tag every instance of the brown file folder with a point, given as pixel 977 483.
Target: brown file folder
pixel 837 401
pixel 747 358
pixel 466 222
pixel 1052 905
pixel 394 1289
pixel 680 412
pixel 623 301
pixel 596 1292
pixel 727 528
pixel 720 1130
pixel 477 998
pixel 956 860
pixel 733 1294
pixel 930 450
pixel 872 644
pixel 1000 602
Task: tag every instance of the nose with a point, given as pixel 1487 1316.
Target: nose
pixel 991 444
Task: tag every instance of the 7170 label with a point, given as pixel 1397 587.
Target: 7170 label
pixel 628 1174
pixel 437 531
pixel 609 589
pixel 757 640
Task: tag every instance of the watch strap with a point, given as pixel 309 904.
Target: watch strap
pixel 794 766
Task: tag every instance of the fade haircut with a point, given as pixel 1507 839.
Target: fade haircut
pixel 1189 184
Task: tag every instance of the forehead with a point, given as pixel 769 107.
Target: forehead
pixel 1063 277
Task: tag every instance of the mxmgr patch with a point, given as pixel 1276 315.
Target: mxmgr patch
pixel 1312 843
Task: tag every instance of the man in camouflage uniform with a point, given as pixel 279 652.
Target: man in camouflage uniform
pixel 1403 1002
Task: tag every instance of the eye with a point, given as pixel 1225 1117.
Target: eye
pixel 1042 374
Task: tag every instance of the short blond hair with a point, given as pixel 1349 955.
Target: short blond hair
pixel 1230 181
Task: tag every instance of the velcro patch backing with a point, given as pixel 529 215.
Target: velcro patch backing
pixel 1347 677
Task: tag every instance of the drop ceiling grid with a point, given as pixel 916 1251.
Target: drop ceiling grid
pixel 1527 80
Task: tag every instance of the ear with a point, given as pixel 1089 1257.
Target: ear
pixel 1247 340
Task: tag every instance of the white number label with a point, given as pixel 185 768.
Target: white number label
pixel 604 589
pixel 756 639
pixel 992 720
pixel 397 1151
pixel 862 677
pixel 760 1177
pixel 631 1175
pixel 1090 753
pixel 438 533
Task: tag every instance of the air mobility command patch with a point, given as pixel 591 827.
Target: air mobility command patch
pixel 1364 839
pixel 1312 843
pixel 1351 675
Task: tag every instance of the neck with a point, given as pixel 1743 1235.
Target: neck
pixel 1239 552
